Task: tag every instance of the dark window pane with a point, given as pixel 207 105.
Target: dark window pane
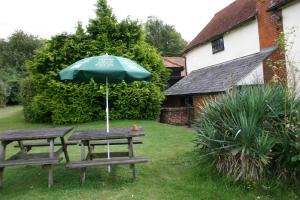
pixel 176 73
pixel 217 45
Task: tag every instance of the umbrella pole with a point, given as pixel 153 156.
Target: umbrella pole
pixel 107 123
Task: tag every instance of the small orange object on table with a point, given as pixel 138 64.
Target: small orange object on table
pixel 135 127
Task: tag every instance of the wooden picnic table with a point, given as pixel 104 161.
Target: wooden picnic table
pixel 88 137
pixel 23 157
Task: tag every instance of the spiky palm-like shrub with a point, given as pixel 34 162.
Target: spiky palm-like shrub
pixel 245 131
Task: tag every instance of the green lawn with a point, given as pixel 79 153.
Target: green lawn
pixel 171 173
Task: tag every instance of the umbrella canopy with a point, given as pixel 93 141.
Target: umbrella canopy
pixel 105 69
pixel 115 69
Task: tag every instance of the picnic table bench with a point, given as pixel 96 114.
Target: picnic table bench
pixel 99 136
pixel 23 157
pixel 29 145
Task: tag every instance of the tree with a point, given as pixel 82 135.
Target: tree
pixel 48 100
pixel 164 37
pixel 14 52
pixel 18 48
pixel 79 30
pixel 105 23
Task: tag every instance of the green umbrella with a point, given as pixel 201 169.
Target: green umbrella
pixel 105 69
pixel 113 68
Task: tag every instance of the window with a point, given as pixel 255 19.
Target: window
pixel 176 72
pixel 217 45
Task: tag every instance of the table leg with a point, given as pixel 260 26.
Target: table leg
pixel 130 151
pixel 64 146
pixel 89 157
pixel 2 157
pixel 23 150
pixel 51 155
pixel 83 170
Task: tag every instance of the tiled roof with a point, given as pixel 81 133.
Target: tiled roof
pixel 173 62
pixel 220 77
pixel 225 20
pixel 275 4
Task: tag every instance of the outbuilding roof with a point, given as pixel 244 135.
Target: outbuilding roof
pixel 174 62
pixel 232 16
pixel 220 77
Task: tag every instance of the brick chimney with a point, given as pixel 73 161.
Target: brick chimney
pixel 270 26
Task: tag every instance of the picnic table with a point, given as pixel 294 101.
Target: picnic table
pixel 23 157
pixel 116 136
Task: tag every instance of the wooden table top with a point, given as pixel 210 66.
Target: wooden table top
pixel 33 134
pixel 101 134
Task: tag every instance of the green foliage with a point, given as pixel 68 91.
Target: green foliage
pixel 164 37
pixel 9 87
pixel 14 52
pixel 17 49
pixel 4 93
pixel 48 100
pixel 66 103
pixel 131 101
pixel 252 132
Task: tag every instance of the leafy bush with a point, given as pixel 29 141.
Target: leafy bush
pixel 46 99
pixel 14 52
pixel 9 87
pixel 251 132
pixel 4 93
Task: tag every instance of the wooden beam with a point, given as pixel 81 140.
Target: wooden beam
pixel 31 162
pixel 113 142
pixel 83 170
pixel 112 154
pixel 2 158
pixel 44 144
pixel 103 162
pixel 64 146
pixel 131 155
pixel 51 156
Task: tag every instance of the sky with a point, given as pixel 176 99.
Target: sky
pixel 45 18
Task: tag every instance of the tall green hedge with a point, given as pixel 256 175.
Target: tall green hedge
pixel 46 99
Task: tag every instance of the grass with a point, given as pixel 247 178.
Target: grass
pixel 173 171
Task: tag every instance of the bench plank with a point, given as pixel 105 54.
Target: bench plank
pixel 112 155
pixel 104 162
pixel 114 142
pixel 48 161
pixel 44 144
pixel 33 156
pixel 93 143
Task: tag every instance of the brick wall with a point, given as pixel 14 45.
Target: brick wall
pixel 177 116
pixel 270 26
pixel 184 115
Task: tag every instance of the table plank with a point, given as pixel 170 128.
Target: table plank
pixel 101 134
pixel 34 134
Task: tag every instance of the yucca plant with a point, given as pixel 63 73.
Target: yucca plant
pixel 286 159
pixel 241 130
